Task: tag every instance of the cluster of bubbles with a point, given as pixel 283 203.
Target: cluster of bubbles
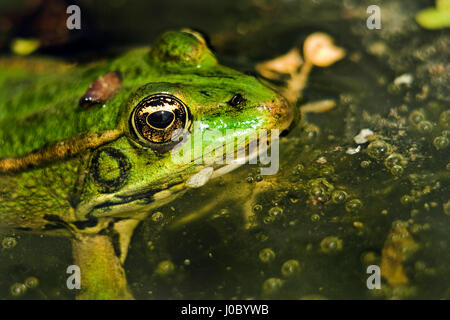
pixel 18 289
pixel 254 178
pixel 442 141
pixel 290 268
pixel 380 150
pixel 441 132
pixel 396 163
pixel 323 191
pixel 320 189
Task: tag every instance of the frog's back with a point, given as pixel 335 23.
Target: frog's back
pixel 39 103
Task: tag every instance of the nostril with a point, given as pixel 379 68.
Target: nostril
pixel 236 100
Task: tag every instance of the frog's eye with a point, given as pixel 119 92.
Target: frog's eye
pixel 157 118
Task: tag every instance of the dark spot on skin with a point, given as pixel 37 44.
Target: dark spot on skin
pixel 110 185
pixel 115 237
pixel 147 198
pixel 205 93
pixel 54 218
pixel 49 227
pixel 143 198
pixel 56 222
pixel 103 205
pixel 81 225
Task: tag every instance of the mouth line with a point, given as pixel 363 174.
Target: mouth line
pixel 148 197
pixel 121 200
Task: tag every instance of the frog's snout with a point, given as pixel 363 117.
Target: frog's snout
pixel 281 113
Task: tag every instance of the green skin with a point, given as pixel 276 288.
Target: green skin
pixel 40 109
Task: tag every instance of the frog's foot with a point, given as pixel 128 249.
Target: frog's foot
pixel 318 50
pixel 125 229
pixel 281 66
pixel 102 274
pixel 319 106
pixel 289 66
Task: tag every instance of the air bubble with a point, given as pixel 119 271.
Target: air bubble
pixel 165 268
pixel 330 245
pixel 266 255
pixel 425 127
pixel 31 282
pixel 275 212
pixel 444 119
pixel 9 242
pixel 364 164
pixel 397 170
pixel 416 116
pixel 406 200
pixel 354 205
pixel 290 268
pixel 157 216
pixel 378 149
pixel 441 142
pixel 395 159
pixel 272 285
pixel 339 196
pixel 257 208
pixel 18 289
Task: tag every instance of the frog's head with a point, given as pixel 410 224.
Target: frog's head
pixel 138 171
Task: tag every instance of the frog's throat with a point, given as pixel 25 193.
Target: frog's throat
pixel 125 206
pixel 59 151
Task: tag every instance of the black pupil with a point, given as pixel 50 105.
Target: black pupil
pixel 160 119
pixel 237 99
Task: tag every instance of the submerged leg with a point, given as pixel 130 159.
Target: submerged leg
pixel 125 229
pixel 102 274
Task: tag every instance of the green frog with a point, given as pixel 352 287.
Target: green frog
pixel 86 150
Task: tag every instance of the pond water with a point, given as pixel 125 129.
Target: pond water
pixel 327 214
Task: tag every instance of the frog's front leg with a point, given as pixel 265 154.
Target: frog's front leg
pixel 101 264
pixel 102 273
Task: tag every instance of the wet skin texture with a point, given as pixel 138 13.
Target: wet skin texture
pixel 80 161
pixel 85 150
